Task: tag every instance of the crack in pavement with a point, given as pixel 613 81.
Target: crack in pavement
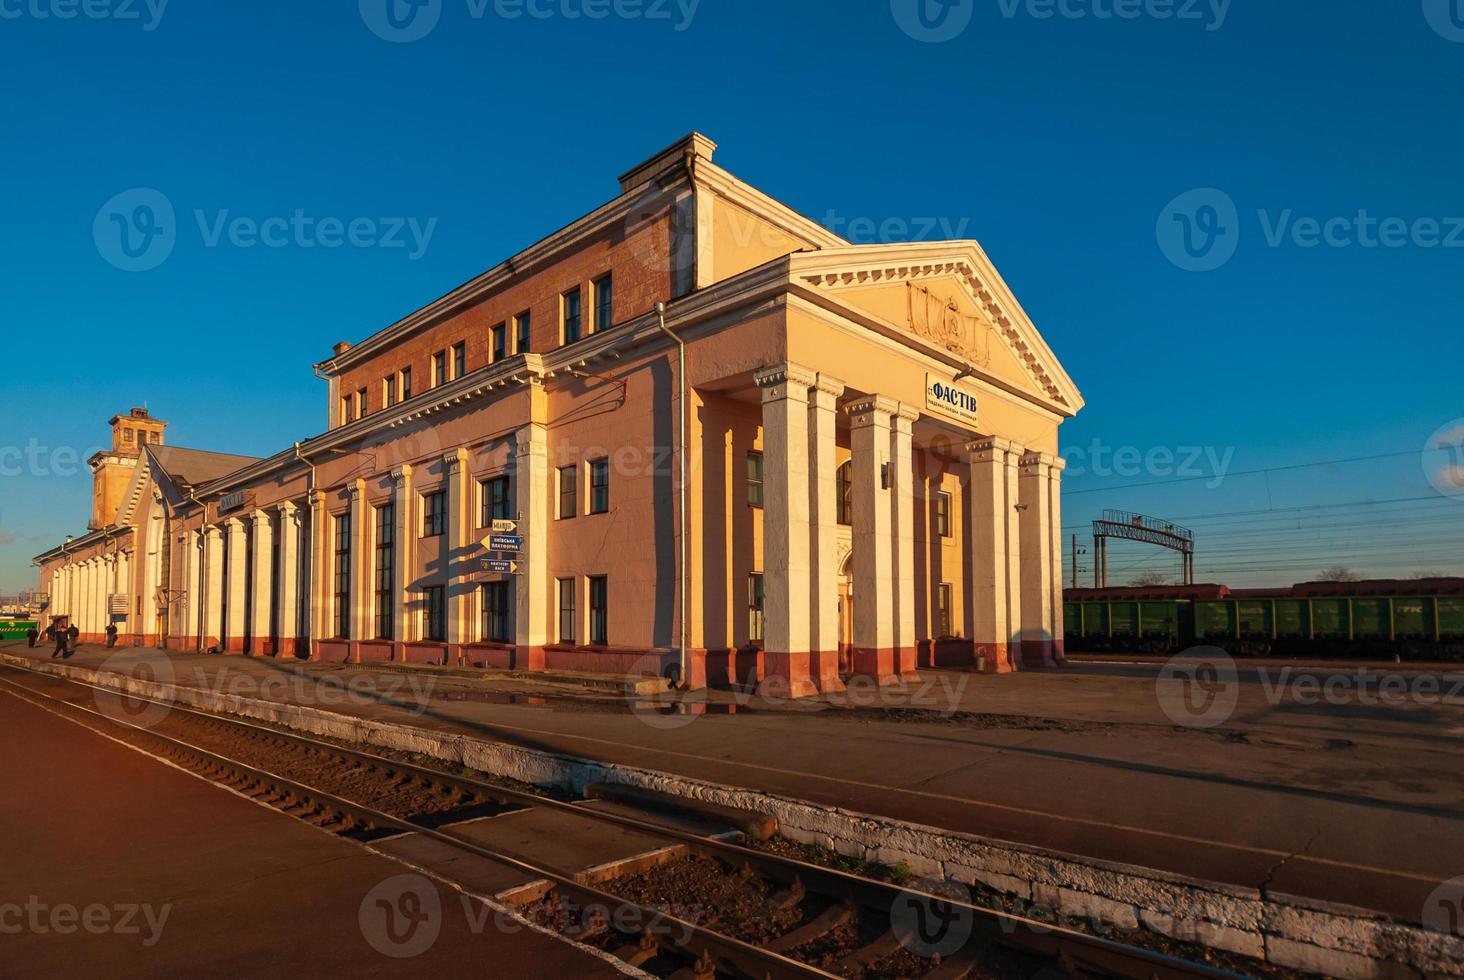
pixel 1275 869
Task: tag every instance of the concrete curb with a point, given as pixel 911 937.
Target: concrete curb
pixel 1339 941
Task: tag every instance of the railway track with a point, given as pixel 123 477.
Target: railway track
pixel 371 797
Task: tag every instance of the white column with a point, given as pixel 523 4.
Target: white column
pixel 287 596
pixel 260 599
pixel 1034 486
pixel 1054 521
pixel 405 559
pixel 873 559
pixel 123 586
pixel 786 533
pixel 995 542
pixel 532 597
pixel 89 611
pixel 213 587
pixel 321 624
pixel 902 538
pixel 152 570
pixel 823 526
pixel 459 569
pixel 237 576
pixel 363 533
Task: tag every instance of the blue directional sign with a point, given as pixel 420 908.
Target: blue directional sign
pixel 500 567
pixel 505 542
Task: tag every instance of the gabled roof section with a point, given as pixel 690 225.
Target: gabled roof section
pixel 194 467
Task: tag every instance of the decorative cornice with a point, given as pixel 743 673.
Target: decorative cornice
pixel 454 461
pixel 782 376
pixel 863 411
pixel 401 475
pixel 1040 461
pixel 907 412
pixel 992 449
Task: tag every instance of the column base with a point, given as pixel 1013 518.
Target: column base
pixel 884 664
pixel 285 646
pixel 1038 653
pixel 994 658
pixel 786 675
pixel 212 643
pixel 825 669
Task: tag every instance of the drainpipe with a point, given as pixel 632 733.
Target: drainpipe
pixel 681 576
pixel 311 584
pixel 202 605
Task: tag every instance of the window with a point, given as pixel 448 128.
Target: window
pixel 348 410
pixel 459 359
pixel 566 610
pixel 343 576
pixel 846 494
pixel 496 601
pixel 498 342
pixel 406 383
pixel 439 368
pixel 568 492
pixel 361 404
pixel 521 326
pixel 388 391
pixel 755 479
pixel 434 613
pixel 570 304
pixel 152 437
pixel 496 505
pixel 599 486
pixel 599 609
pixel 127 437
pixel 385 569
pixel 434 514
pixel 943 609
pixel 755 608
pixel 604 303
pixel 943 514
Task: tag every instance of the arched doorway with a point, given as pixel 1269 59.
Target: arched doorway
pixel 846 613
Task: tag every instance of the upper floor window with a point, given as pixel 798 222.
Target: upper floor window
pixel 599 486
pixel 361 404
pixel 570 304
pixel 348 410
pixel 434 514
pixel 604 303
pixel 943 514
pixel 755 479
pixel 498 342
pixel 568 491
pixel 845 481
pixel 389 390
pixel 152 437
pixel 496 505
pixel 127 437
pixel 439 368
pixel 459 359
pixel 521 326
pixel 406 383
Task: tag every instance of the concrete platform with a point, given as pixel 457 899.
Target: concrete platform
pixel 1346 802
pixel 216 885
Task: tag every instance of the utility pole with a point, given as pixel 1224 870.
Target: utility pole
pixel 1075 561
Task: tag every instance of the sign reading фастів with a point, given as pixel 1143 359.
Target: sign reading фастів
pixel 950 399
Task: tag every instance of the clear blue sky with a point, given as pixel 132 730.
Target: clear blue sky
pixel 1057 142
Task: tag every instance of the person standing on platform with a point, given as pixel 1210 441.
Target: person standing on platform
pixel 73 635
pixel 111 635
pixel 30 637
pixel 60 636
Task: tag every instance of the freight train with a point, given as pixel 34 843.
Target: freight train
pixel 1419 619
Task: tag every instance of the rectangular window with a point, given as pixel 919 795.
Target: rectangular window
pixel 343 576
pixel 497 598
pixel 844 481
pixel 599 610
pixel 943 609
pixel 521 327
pixel 459 359
pixel 943 514
pixel 755 479
pixel 755 608
pixel 361 404
pixel 152 437
pixel 406 383
pixel 385 569
pixel 496 505
pixel 127 437
pixel 498 341
pixel 599 486
pixel 570 304
pixel 568 492
pixel 604 303
pixel 566 610
pixel 434 613
pixel 388 391
pixel 439 368
pixel 434 514
pixel 348 410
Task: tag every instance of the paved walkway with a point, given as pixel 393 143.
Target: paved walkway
pixel 1351 797
pixel 119 866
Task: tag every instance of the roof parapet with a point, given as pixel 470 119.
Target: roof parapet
pixel 693 145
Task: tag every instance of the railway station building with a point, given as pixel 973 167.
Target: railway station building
pixel 868 436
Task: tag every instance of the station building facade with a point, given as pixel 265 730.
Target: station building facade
pixel 869 438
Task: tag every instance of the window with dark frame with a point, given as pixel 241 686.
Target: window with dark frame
pixel 566 610
pixel 385 570
pixel 439 368
pixel 568 492
pixel 845 480
pixel 434 613
pixel 604 303
pixel 498 338
pixel 599 486
pixel 523 342
pixel 943 513
pixel 755 607
pixel 459 359
pixel 434 514
pixel 361 404
pixel 127 437
pixel 570 303
pixel 406 383
pixel 388 390
pixel 943 609
pixel 348 410
pixel 599 610
pixel 343 576
pixel 497 600
pixel 496 503
pixel 755 479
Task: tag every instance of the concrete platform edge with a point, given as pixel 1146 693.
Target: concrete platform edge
pixel 1341 941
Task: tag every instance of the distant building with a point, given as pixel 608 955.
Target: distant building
pixel 871 446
